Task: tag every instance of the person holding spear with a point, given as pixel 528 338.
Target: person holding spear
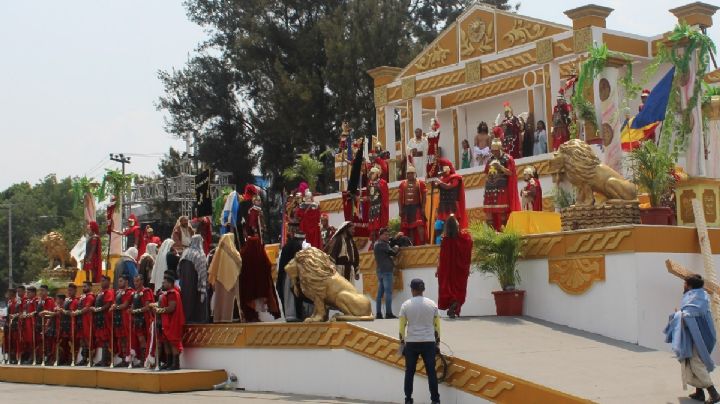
pixel 66 334
pixel 141 316
pixel 45 309
pixel 103 329
pixel 83 322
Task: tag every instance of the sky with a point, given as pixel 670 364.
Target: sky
pixel 78 78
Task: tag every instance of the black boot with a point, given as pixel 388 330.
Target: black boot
pixel 168 362
pixel 176 362
pixel 698 395
pixel 714 396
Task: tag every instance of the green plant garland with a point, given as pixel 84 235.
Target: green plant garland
pixel 590 69
pixel 117 184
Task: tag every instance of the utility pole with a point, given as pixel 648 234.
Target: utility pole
pixel 122 159
pixel 10 258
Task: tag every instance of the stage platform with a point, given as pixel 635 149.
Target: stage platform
pixel 137 380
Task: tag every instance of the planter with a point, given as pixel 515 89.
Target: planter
pixel 509 302
pixel 656 216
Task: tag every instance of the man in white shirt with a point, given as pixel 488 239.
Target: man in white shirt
pixel 420 333
pixel 417 148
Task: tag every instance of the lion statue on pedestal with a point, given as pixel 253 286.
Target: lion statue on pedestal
pixel 57 251
pixel 583 169
pixel 312 273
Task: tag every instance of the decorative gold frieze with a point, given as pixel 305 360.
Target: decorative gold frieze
pixel 596 242
pixel 380 116
pixel 408 88
pixel 509 63
pixel 544 50
pixel 539 247
pixel 394 93
pixel 576 275
pixel 435 56
pixel 370 283
pixel 381 98
pixel 331 205
pixel 440 81
pixel 482 91
pixel 582 39
pixel 524 31
pixel 473 71
pixel 425 256
pixel 478 38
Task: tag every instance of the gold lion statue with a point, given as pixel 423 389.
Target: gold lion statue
pixel 313 274
pixel 57 251
pixel 579 164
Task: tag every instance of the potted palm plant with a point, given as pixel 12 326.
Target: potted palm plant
pixel 497 253
pixel 652 173
pixel 306 168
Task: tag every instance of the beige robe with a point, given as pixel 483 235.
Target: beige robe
pixel 224 276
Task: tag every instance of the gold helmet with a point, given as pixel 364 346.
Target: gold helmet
pixel 496 144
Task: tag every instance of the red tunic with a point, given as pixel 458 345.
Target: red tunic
pixel 534 186
pixel 121 318
pixel 103 319
pixel 8 343
pixel 309 216
pixel 173 324
pixel 30 307
pixel 93 258
pixel 501 194
pixel 511 140
pixel 256 280
pixel 453 270
pixel 378 208
pixel 457 191
pixel 85 323
pixel 356 211
pixel 560 129
pixel 407 223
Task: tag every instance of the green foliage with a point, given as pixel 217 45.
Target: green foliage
pixel 561 198
pixel 219 204
pixel 84 185
pixel 394 225
pixel 36 210
pixel 595 63
pixel 709 92
pixel 306 168
pixel 117 184
pixel 652 170
pixel 677 126
pixel 497 253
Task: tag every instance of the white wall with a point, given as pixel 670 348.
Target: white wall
pixel 320 372
pixel 488 110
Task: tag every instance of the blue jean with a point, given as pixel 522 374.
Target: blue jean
pixel 385 285
pixel 427 350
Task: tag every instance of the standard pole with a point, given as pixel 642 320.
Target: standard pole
pixel 10 255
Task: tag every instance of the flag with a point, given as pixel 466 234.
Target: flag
pixel 654 109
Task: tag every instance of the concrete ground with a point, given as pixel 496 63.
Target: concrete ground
pixel 576 362
pixel 40 394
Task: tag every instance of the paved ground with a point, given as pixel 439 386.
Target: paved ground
pixel 584 364
pixel 37 394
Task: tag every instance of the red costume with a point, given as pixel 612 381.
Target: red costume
pixel 133 235
pixel 45 327
pixel 378 208
pixel 173 324
pixel 511 128
pixel 65 324
pixel 432 168
pixel 355 211
pixel 501 193
pixel 452 195
pixel 561 122
pixel 103 319
pixel 204 229
pixel 411 204
pixel 142 321
pixel 532 200
pixel 28 323
pixel 309 216
pixel 92 262
pixel 453 271
pixel 326 231
pixel 9 331
pixel 256 281
pixel 85 323
pixel 121 321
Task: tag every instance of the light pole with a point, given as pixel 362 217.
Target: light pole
pixel 10 261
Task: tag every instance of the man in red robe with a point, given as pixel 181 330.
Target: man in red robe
pixel 142 319
pixel 454 267
pixel 92 263
pixel 378 204
pixel 309 215
pixel 84 321
pixel 45 326
pixel 511 129
pixel 531 194
pixel 29 320
pixel 501 193
pixel 452 194
pixel 121 321
pixel 103 321
pixel 67 328
pixel 9 331
pixel 132 234
pixel 170 308
pixel 256 285
pixel 411 204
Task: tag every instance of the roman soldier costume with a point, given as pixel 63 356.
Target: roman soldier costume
pixel 501 196
pixel 411 204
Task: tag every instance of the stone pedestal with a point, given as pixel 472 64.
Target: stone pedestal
pixel 593 217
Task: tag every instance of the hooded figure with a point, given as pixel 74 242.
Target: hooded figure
pixel 453 267
pixel 181 234
pixel 292 305
pixel 224 277
pixel 126 266
pixel 193 276
pixel 161 264
pixel 147 262
pixel 343 250
pixel 256 284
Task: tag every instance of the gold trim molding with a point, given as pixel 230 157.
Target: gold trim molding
pixel 461 374
pixel 482 91
pixel 408 88
pixel 576 275
pixel 582 39
pixel 544 50
pixel 381 98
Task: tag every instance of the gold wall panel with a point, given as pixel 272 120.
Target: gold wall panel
pixel 461 374
pixel 408 88
pixel 440 81
pixel 509 63
pixel 331 205
pixel 539 247
pixel 626 45
pixel 394 93
pixel 576 275
pixel 713 77
pixel 370 284
pixel 441 52
pixel 607 240
pixel 514 30
pixel 544 50
pixel 477 35
pixel 582 39
pixel 425 256
pixel 381 97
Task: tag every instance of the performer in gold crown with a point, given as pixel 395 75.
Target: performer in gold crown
pixel 411 204
pixel 501 194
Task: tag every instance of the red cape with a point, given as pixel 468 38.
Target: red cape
pixel 173 324
pixel 310 225
pixel 537 201
pixel 419 215
pixel 382 221
pixel 256 280
pixel 461 213
pixel 453 270
pixel 513 194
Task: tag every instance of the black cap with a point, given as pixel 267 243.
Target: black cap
pixel 417 284
pixel 44 287
pixel 72 286
pixel 31 289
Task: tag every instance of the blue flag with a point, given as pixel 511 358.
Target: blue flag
pixel 656 104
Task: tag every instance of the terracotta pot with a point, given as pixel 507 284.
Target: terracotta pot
pixel 509 302
pixel 656 216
